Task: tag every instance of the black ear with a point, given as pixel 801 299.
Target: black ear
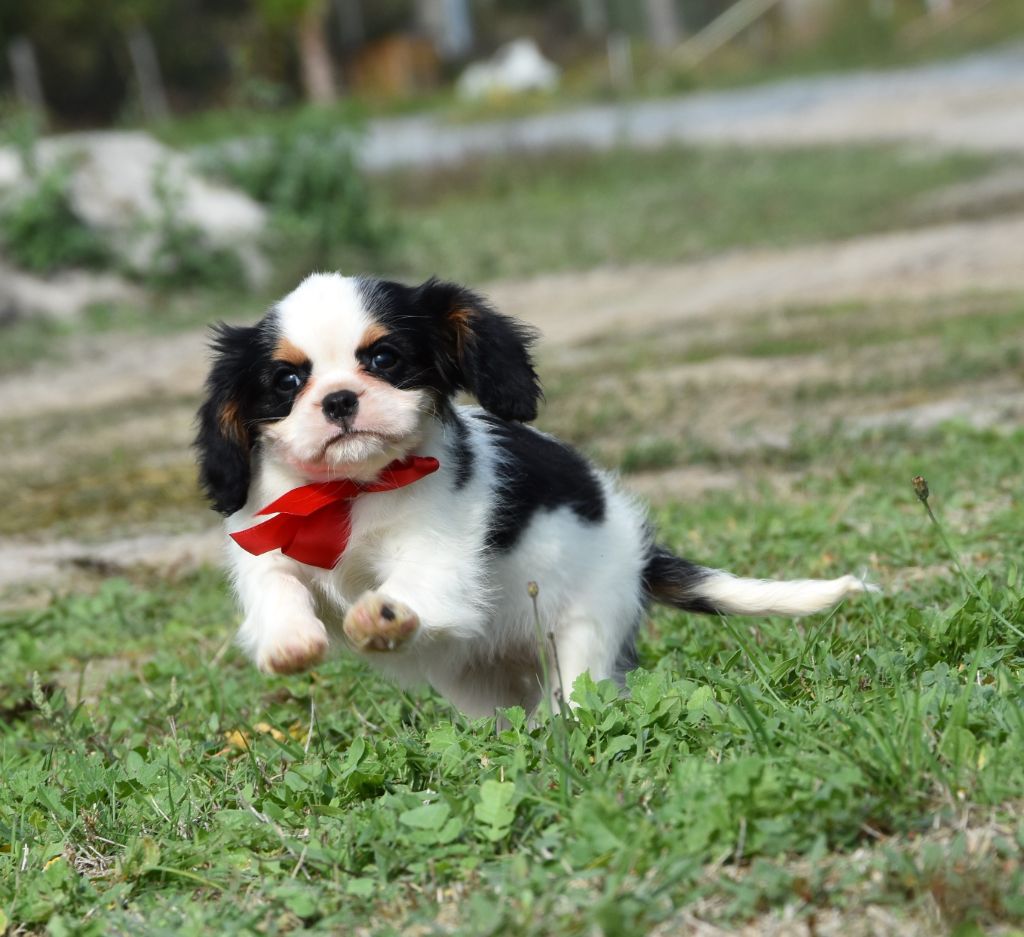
pixel 224 440
pixel 486 353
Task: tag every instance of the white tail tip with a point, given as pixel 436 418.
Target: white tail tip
pixel 793 598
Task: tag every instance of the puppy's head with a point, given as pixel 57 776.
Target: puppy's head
pixel 341 377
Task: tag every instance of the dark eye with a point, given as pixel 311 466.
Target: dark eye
pixel 287 381
pixel 383 359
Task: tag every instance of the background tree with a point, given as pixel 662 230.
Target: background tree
pixel 308 20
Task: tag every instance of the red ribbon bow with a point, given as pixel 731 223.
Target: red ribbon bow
pixel 313 522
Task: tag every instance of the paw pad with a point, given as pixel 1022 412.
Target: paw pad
pixel 376 623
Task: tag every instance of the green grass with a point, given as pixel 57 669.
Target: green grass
pixel 560 212
pixel 856 40
pixel 642 403
pixel 152 779
pixel 866 761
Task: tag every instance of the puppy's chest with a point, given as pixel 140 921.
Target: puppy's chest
pixel 377 542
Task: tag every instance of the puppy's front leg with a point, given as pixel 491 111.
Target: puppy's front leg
pixel 281 631
pixel 422 594
pixel 379 623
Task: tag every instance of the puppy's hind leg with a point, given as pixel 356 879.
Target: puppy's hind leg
pixel 580 642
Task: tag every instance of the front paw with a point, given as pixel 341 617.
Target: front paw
pixel 294 649
pixel 377 623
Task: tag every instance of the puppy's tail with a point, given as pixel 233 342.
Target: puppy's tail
pixel 677 582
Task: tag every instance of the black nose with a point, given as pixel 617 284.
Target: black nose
pixel 340 406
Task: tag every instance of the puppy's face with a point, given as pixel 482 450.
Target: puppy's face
pixel 349 381
pixel 342 376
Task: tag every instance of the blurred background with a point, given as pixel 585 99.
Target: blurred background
pixel 754 233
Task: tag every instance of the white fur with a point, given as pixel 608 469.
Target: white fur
pixel 424 546
pixel 324 318
pixel 795 597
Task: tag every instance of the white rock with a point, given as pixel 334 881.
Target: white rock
pixel 115 179
pixel 63 296
pixel 516 68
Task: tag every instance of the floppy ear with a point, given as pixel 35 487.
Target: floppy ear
pixel 224 442
pixel 484 352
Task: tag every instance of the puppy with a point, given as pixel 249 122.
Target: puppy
pixel 412 526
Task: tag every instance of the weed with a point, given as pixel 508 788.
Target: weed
pixel 923 493
pixel 39 228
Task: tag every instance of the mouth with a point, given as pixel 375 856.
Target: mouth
pixel 348 434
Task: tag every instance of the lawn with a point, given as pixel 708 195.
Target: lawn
pixel 574 211
pixel 867 760
pixel 852 773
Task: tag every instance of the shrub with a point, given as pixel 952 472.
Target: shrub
pixel 39 229
pixel 41 232
pixel 306 173
pixel 182 255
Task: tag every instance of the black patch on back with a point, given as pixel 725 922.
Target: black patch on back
pixel 537 473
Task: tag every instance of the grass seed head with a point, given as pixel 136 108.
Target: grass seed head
pixel 921 488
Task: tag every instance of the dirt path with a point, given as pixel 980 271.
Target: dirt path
pixel 937 261
pixel 974 103
pixel 574 308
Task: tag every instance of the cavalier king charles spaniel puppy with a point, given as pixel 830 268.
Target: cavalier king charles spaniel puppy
pixel 365 507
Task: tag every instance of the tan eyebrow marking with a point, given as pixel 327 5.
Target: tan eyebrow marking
pixel 373 334
pixel 285 350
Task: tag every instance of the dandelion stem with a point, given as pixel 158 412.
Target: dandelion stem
pixel 923 493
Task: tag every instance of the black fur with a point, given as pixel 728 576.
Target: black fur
pixel 627 659
pixel 240 394
pixel 537 473
pixel 224 471
pixel 670 580
pixel 451 340
pixel 461 452
pixel 673 581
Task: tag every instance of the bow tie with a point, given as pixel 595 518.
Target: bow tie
pixel 314 522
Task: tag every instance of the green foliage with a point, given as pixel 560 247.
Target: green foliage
pixel 306 173
pixel 39 229
pixel 284 12
pixel 20 129
pixel 182 255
